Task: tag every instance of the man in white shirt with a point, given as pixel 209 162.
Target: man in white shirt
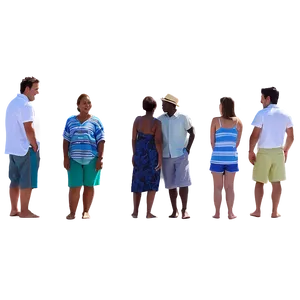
pixel 22 147
pixel 271 123
pixel 176 148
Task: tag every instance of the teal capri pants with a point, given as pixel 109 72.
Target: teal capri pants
pixel 83 175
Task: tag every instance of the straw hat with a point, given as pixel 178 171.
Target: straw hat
pixel 171 99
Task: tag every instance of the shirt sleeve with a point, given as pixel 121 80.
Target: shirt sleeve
pixel 289 123
pixel 66 133
pixel 99 132
pixel 27 113
pixel 188 123
pixel 258 120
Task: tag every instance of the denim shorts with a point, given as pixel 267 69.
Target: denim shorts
pixel 232 168
pixel 23 170
pixel 176 172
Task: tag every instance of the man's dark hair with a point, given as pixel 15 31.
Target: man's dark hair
pixel 82 96
pixel 27 81
pixel 272 93
pixel 227 107
pixel 149 103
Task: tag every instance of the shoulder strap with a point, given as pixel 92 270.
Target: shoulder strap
pixel 220 122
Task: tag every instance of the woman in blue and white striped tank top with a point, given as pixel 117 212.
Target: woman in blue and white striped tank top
pixel 225 136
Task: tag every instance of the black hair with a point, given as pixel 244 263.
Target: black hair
pixel 149 103
pixel 79 97
pixel 273 93
pixel 27 82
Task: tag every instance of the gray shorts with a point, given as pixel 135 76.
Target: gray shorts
pixel 23 170
pixel 176 172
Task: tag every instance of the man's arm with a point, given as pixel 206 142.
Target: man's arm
pixel 291 136
pixel 254 134
pixel 252 143
pixel 27 118
pixel 189 126
pixel 99 163
pixel 30 133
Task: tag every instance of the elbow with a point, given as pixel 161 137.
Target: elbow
pixel 158 142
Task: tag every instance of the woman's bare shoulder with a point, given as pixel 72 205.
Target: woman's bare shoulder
pixel 215 120
pixel 240 122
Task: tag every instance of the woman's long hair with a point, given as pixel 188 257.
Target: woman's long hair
pixel 227 105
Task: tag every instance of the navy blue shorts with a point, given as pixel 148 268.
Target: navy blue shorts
pixel 222 168
pixel 23 170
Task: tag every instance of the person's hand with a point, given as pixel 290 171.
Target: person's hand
pixel 99 164
pixel 252 157
pixel 158 167
pixel 40 146
pixel 285 155
pixel 189 149
pixel 67 163
pixel 35 147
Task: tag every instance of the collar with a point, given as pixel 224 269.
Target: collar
pixel 175 114
pixel 272 105
pixel 24 97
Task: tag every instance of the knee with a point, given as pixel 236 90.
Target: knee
pixel 228 188
pixel 218 188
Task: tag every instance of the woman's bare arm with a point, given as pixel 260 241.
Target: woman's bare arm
pixel 158 139
pixel 212 132
pixel 240 130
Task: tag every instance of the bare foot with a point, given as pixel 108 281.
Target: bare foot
pixel 134 215
pixel 72 217
pixel 276 217
pixel 216 216
pixel 174 214
pixel 255 215
pixel 13 213
pixel 231 216
pixel 185 215
pixel 150 216
pixel 29 215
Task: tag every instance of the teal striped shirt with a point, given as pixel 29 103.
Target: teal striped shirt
pixel 83 138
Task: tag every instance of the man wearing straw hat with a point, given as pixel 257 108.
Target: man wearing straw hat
pixel 176 148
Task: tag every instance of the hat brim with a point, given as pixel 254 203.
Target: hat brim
pixel 167 100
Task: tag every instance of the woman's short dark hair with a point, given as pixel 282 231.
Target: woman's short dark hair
pixel 272 93
pixel 27 82
pixel 79 97
pixel 149 103
pixel 227 107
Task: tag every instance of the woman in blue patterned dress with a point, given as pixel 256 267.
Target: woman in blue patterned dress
pixel 225 136
pixel 147 157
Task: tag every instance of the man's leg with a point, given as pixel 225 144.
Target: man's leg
pixel 228 185
pixel 28 166
pixel 88 196
pixel 136 204
pixel 35 174
pixel 184 181
pixel 277 177
pixel 13 197
pixel 172 202
pixel 74 195
pixel 218 187
pixel 168 171
pixel 14 189
pixel 261 171
pixel 150 200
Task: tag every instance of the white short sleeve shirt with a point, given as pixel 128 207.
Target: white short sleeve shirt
pixel 273 121
pixel 18 112
pixel 174 130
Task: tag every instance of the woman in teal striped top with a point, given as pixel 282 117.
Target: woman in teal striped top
pixel 83 152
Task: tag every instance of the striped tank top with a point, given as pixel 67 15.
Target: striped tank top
pixel 224 152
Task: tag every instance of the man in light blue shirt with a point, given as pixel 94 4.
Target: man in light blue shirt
pixel 176 148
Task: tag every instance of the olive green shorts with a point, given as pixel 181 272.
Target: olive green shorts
pixel 269 165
